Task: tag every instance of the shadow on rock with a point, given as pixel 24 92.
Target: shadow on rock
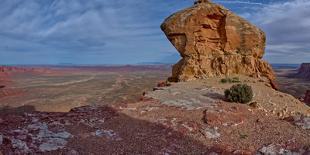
pixel 16 110
pixel 91 130
pixel 215 96
pixel 123 134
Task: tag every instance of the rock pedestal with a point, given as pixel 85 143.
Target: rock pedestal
pixel 213 41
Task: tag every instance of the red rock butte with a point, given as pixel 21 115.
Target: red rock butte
pixel 304 71
pixel 214 41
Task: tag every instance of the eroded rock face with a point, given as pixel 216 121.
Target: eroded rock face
pixel 304 71
pixel 213 41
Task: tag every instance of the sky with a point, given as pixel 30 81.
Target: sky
pixel 91 32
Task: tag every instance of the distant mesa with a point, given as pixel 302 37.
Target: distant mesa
pixel 214 41
pixel 10 69
pixel 304 71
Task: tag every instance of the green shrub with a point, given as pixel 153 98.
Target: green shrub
pixel 240 93
pixel 235 80
pixel 230 80
pixel 224 80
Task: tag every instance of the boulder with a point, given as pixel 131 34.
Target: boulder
pixel 214 41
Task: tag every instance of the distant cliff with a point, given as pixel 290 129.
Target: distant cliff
pixel 8 69
pixel 304 71
pixel 307 97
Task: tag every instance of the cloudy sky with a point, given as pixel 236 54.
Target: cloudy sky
pixel 127 31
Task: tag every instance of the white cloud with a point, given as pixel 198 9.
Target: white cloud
pixel 287 26
pixel 80 28
pixel 239 2
pixel 110 28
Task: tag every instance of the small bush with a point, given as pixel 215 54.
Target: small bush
pixel 235 80
pixel 240 93
pixel 224 80
pixel 230 80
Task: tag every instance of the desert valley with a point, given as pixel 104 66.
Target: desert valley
pixel 61 88
pixel 187 108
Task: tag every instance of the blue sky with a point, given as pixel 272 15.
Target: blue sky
pixel 127 31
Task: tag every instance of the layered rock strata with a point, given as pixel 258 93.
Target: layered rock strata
pixel 304 71
pixel 214 41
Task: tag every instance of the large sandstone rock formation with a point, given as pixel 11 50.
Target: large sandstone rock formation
pixel 304 71
pixel 213 41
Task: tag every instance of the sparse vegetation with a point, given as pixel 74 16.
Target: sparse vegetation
pixel 230 80
pixel 241 93
pixel 243 136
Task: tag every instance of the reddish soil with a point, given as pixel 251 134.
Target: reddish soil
pixel 148 127
pixel 9 92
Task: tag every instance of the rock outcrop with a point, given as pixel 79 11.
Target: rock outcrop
pixel 304 71
pixel 214 41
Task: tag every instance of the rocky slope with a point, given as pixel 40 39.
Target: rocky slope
pixel 207 93
pixel 157 127
pixel 214 41
pixel 304 71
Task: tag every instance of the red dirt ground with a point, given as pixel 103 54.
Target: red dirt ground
pixel 148 127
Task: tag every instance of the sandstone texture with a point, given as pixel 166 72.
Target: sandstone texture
pixel 304 71
pixel 214 41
